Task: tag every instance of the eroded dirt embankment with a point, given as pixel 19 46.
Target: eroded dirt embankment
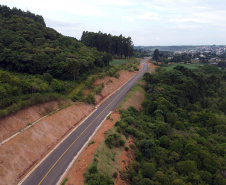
pixel 75 173
pixel 111 84
pixel 21 153
pixel 24 150
pixel 12 124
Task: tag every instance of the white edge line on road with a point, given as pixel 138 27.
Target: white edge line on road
pixel 47 155
pixel 80 151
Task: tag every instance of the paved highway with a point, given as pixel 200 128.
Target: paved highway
pixel 52 168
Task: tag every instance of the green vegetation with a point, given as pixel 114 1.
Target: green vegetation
pixel 117 62
pixel 106 161
pixel 189 66
pixel 38 64
pixel 28 46
pixel 118 46
pixel 137 88
pixel 19 91
pixel 92 142
pixel 180 133
pixel 65 180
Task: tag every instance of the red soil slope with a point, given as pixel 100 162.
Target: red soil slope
pixel 20 154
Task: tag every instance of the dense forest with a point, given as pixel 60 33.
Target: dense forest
pixel 118 46
pixel 37 64
pixel 180 133
pixel 28 46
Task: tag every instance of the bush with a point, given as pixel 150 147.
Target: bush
pixel 93 169
pixel 111 72
pixel 75 98
pixel 90 99
pixel 132 146
pixel 136 68
pixel 115 174
pixel 126 148
pixel 89 82
pixel 122 142
pixel 113 140
pixel 65 180
pixel 98 89
pixel 117 75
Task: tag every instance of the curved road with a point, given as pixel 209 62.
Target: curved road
pixel 53 167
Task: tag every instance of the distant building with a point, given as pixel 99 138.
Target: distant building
pixel 196 59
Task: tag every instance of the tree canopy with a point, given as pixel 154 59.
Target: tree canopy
pixel 118 46
pixel 180 133
pixel 28 46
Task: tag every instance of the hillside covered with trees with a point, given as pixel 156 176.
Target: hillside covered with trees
pixel 28 46
pixel 38 64
pixel 118 46
pixel 180 133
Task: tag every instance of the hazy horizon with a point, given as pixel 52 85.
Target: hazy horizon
pixel 148 22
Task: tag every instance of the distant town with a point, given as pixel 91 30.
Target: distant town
pixel 218 49
pixel 204 54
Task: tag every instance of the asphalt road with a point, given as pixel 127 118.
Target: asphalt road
pixel 52 168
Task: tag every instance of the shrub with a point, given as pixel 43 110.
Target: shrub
pixel 98 89
pixel 136 68
pixel 90 99
pixel 65 180
pixel 117 75
pixel 74 97
pixel 112 71
pixel 132 146
pixel 115 174
pixel 93 169
pixel 113 140
pixel 122 142
pixel 126 148
pixel 89 82
pixel 92 142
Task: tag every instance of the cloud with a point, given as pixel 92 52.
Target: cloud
pixel 149 16
pixel 114 2
pixel 174 21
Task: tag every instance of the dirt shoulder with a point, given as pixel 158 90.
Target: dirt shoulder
pixel 75 174
pixel 20 154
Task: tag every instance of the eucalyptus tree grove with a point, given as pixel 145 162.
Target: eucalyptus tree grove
pixel 118 46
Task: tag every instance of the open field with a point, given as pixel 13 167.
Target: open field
pixel 107 157
pixel 134 97
pixel 117 62
pixel 189 66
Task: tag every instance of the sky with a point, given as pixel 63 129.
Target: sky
pixel 147 22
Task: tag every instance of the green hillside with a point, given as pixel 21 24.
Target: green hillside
pixel 28 46
pixel 180 133
pixel 38 64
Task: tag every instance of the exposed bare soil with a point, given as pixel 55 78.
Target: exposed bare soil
pixel 15 122
pixel 20 154
pixel 152 67
pixel 111 84
pixel 126 158
pixel 134 101
pixel 75 175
